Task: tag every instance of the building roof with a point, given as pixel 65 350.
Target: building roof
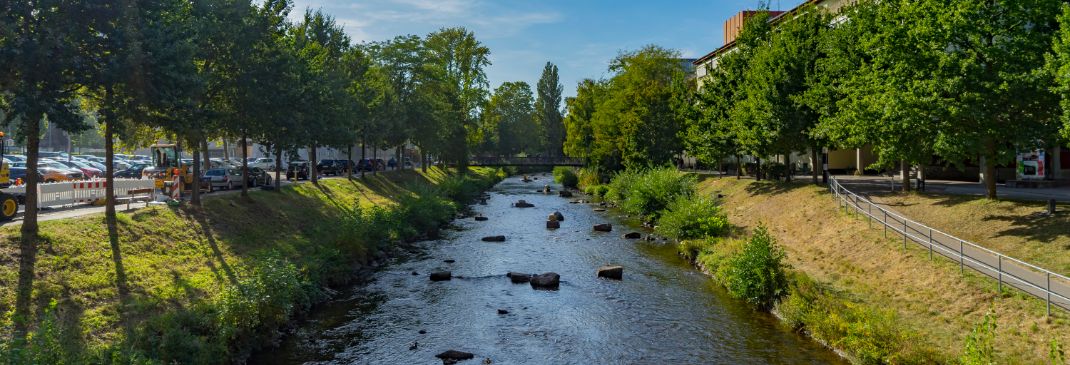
pixel 775 19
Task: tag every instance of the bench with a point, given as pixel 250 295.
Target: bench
pixel 137 194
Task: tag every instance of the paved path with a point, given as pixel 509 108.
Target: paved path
pixel 1060 194
pixel 1018 274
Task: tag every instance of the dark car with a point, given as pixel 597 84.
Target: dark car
pixel 364 165
pixel 259 177
pixel 333 167
pixel 20 173
pixel 134 172
pixel 297 170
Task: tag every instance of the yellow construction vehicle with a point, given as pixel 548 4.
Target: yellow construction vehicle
pixel 166 165
pixel 9 203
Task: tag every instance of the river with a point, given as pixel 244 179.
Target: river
pixel 663 312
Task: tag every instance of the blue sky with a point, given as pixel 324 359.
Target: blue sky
pixel 580 36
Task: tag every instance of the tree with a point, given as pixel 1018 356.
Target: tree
pixel 579 137
pixel 41 51
pixel 1059 66
pixel 990 55
pixel 509 120
pixel 458 61
pixel 635 125
pixel 548 110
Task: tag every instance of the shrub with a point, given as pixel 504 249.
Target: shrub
pixel 597 190
pixel 757 275
pixel 647 193
pixel 775 170
pixel 980 344
pixel 566 177
pixel 689 218
pixel 588 176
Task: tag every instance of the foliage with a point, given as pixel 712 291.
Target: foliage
pixel 980 343
pixel 579 132
pixel 566 176
pixel 646 193
pixel 758 274
pixel 508 122
pixel 548 111
pixel 588 176
pixel 598 190
pixel 692 218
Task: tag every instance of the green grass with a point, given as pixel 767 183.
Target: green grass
pixel 209 285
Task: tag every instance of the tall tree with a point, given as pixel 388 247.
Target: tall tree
pixel 579 135
pixel 41 51
pixel 458 60
pixel 322 44
pixel 509 121
pixel 548 110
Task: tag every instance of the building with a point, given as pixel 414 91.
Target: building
pixel 852 160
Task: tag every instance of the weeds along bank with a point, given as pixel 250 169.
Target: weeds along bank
pixel 210 285
pixel 788 250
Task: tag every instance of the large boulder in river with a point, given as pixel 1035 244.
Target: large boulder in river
pixel 564 194
pixel 480 218
pixel 518 277
pixel 611 272
pixel 523 204
pixel 453 356
pixel 494 239
pixel 604 227
pixel 441 276
pixel 560 217
pixel 552 224
pixel 548 281
pixel 633 235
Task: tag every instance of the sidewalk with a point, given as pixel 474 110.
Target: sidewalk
pixel 885 183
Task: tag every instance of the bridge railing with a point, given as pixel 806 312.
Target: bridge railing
pixel 526 161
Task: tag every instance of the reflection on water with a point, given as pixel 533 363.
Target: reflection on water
pixel 663 312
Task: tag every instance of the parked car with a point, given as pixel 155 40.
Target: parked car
pixel 52 154
pixel 365 165
pixel 259 177
pixel 265 163
pixel 15 158
pixel 333 167
pixel 120 165
pixel 380 164
pixel 61 171
pixel 20 173
pixel 297 170
pixel 222 178
pixel 88 171
pixel 134 172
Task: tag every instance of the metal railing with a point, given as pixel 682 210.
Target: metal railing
pixel 81 191
pixel 526 161
pixel 1049 286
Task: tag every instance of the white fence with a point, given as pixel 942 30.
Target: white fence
pixel 1049 286
pixel 87 191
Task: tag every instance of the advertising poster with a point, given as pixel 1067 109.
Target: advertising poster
pixel 1031 165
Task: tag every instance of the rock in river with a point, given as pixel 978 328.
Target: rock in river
pixel 480 218
pixel 560 217
pixel 551 224
pixel 518 277
pixel 604 227
pixel 611 272
pixel 494 239
pixel 564 194
pixel 548 280
pixel 633 235
pixel 453 356
pixel 441 275
pixel 523 204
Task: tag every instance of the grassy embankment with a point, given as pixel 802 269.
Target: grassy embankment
pixel 210 285
pixel 864 294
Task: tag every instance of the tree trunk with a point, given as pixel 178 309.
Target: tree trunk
pixel 195 197
pixel 207 156
pixel 109 201
pixel 349 162
pixel 226 150
pixel 904 169
pixel 758 168
pixel 244 166
pixel 990 170
pixel 423 160
pixel 313 175
pixel 814 164
pixel 788 171
pixel 375 159
pixel 363 158
pixel 278 166
pixel 739 167
pixel 921 177
pixel 28 240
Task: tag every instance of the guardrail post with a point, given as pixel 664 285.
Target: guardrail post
pixel 885 221
pixel 904 233
pixel 870 214
pixel 1048 292
pixel 961 254
pixel 930 244
pixel 999 259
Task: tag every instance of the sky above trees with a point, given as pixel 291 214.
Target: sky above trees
pixel 578 36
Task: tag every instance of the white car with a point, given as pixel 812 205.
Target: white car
pixel 265 163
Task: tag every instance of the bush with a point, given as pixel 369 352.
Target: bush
pixel 689 218
pixel 588 176
pixel 647 193
pixel 597 190
pixel 775 170
pixel 980 344
pixel 757 275
pixel 566 177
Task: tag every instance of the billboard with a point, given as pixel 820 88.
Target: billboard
pixel 1030 165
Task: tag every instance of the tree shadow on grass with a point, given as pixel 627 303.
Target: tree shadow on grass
pixel 209 235
pixel 1036 226
pixel 767 187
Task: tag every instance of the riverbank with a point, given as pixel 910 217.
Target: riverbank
pixel 863 287
pixel 209 285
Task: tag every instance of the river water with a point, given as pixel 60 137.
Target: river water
pixel 663 312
